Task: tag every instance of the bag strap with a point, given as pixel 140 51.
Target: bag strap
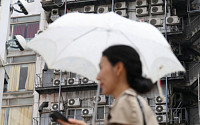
pixel 141 107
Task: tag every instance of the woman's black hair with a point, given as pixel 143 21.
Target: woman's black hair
pixel 131 61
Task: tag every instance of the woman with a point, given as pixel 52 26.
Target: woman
pixel 121 76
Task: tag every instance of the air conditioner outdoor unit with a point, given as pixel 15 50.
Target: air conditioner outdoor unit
pixel 56 82
pixel 56 71
pixel 158 100
pixel 141 11
pixel 173 20
pixel 72 81
pixel 101 99
pixel 54 106
pixel 85 80
pixel 161 118
pixel 54 14
pixel 87 112
pixel 102 9
pixel 141 3
pixel 157 10
pixel 120 5
pixel 121 13
pixel 156 2
pixel 75 102
pixel 156 22
pixel 89 9
pixel 160 108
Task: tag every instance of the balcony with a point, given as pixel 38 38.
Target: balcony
pixel 75 113
pixel 48 6
pixel 49 82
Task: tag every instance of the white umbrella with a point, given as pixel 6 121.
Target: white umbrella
pixel 75 43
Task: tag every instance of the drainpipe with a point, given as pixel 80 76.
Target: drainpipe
pixel 44 104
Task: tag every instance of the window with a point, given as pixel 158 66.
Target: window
pixel 75 113
pixel 16 116
pixel 21 59
pixel 17 101
pixel 27 30
pixel 25 26
pixel 21 77
pixel 71 113
pixel 5 87
pixel 20 20
pixel 101 112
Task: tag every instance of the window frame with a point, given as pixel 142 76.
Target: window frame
pixel 12 59
pixel 16 20
pixel 74 116
pixel 104 106
pixel 26 64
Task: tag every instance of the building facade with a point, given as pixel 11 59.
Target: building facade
pixel 31 89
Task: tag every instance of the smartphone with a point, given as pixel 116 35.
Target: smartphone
pixel 57 115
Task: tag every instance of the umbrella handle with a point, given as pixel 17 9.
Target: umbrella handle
pixel 96 103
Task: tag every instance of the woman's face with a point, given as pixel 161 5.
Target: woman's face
pixel 106 76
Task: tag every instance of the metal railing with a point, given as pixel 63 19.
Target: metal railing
pixel 47 121
pixel 178 115
pixel 47 80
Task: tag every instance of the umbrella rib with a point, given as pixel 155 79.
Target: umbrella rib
pixel 84 34
pixel 75 40
pixel 133 44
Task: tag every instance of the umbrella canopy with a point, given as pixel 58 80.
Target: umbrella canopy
pixel 75 43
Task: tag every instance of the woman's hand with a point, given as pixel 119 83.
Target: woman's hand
pixel 71 122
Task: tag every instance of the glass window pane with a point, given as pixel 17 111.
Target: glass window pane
pixel 100 113
pixel 23 59
pixel 32 29
pixel 25 19
pixel 5 103
pixel 78 114
pixel 23 77
pixel 19 29
pixel 25 101
pixel 71 113
pixel 5 87
pixel 9 60
pixel 13 102
pixel 20 101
